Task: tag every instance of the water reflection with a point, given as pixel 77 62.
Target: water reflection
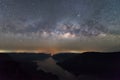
pixel 49 65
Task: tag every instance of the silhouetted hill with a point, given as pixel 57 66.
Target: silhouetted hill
pixel 60 57
pixel 22 67
pixel 14 70
pixel 93 63
pixel 28 56
pixel 4 56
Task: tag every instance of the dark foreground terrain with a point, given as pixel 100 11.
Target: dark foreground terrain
pixel 103 65
pixel 14 68
pixel 87 66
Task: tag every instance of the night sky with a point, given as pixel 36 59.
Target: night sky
pixel 60 25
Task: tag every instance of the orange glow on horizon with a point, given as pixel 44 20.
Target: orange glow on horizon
pixel 47 51
pixel 55 51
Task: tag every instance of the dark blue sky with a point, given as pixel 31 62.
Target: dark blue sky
pixel 33 24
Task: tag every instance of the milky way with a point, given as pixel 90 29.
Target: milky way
pixel 58 24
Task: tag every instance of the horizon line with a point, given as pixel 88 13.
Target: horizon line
pixel 54 53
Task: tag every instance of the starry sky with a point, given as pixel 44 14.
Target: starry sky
pixel 60 25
